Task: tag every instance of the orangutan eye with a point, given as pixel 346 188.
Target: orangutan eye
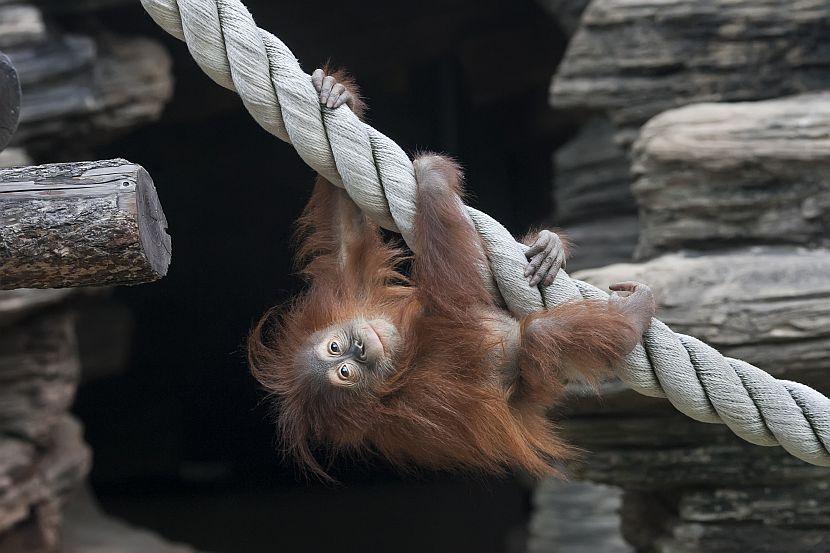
pixel 344 372
pixel 334 347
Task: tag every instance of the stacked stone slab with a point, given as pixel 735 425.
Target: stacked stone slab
pixel 78 89
pixel 44 461
pixel 634 59
pixel 576 517
pixel 42 454
pixel 733 196
pixel 687 484
pixel 693 487
pixel 709 176
pixel 592 191
pixel 629 61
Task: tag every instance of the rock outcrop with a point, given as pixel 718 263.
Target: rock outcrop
pixel 695 487
pixel 635 59
pixel 594 204
pixel 712 175
pixel 78 89
pixel 627 61
pixel 42 453
pixel 576 517
pixel 719 108
pixel 768 306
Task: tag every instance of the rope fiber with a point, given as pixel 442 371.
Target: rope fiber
pixel 378 175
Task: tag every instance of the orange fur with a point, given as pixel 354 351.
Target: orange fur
pixel 443 405
pixel 580 338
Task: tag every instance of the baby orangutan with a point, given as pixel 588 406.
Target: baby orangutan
pixel 427 371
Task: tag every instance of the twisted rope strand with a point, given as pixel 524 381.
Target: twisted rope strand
pixel 700 382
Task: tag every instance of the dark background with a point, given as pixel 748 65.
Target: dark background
pixel 182 440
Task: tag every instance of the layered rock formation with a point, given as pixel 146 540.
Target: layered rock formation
pixel 78 89
pixel 593 196
pixel 635 59
pixel 712 175
pixel 686 484
pixel 630 60
pixel 576 517
pixel 43 458
pixel 42 453
pixel 733 203
pixel 769 306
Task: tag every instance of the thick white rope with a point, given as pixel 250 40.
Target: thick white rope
pixel 378 175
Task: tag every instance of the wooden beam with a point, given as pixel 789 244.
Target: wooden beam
pixel 80 224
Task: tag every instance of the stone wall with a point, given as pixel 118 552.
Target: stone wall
pixel 80 89
pixel 709 176
pixel 42 454
pixel 729 173
pixel 627 61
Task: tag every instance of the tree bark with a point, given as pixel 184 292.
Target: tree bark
pixel 80 224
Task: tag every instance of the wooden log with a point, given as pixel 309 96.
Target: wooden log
pixel 9 100
pixel 80 224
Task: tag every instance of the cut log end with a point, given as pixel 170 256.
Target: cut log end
pixel 9 100
pixel 152 225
